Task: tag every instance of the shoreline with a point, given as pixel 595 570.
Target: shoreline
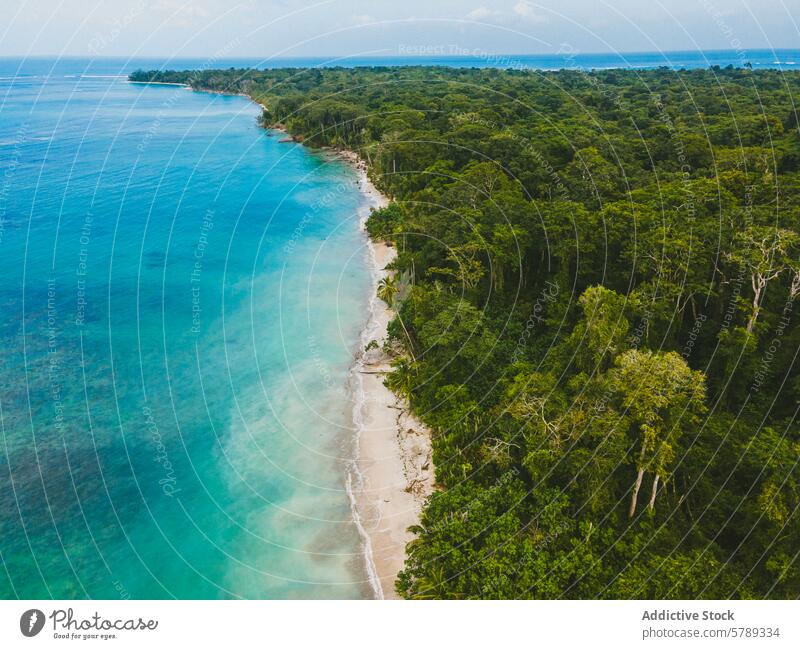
pixel 391 474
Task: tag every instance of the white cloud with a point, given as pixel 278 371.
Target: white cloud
pixel 526 11
pixel 481 13
pixel 181 9
pixel 522 9
pixel 362 19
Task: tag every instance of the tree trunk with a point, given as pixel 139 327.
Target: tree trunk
pixel 794 290
pixel 652 502
pixel 758 286
pixel 410 343
pixel 635 493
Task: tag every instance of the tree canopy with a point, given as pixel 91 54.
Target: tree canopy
pixel 600 329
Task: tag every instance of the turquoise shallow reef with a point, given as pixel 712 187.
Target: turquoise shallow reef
pixel 182 295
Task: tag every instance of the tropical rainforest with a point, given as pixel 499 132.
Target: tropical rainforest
pixel 596 291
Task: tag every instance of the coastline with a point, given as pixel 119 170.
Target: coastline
pixel 392 472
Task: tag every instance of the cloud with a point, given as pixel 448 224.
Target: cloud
pixel 181 10
pixel 522 9
pixel 482 13
pixel 526 11
pixel 362 19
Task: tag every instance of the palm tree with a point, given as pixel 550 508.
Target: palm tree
pixel 433 585
pixel 401 379
pixel 389 291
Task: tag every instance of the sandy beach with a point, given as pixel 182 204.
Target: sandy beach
pixel 393 472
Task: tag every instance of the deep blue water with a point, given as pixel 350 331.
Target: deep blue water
pixel 181 297
pixel 785 59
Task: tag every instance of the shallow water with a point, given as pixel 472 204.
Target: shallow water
pixel 181 299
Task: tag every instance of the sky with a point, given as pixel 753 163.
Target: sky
pixel 333 28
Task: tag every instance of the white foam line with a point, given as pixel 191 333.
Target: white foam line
pixel 354 474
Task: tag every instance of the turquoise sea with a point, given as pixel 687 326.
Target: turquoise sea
pixel 181 298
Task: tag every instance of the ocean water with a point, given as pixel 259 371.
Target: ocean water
pixel 450 56
pixel 181 298
pixel 180 302
pixel 783 59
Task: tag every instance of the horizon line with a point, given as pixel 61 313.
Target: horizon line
pixel 483 54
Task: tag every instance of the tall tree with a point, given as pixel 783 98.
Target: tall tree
pixel 663 398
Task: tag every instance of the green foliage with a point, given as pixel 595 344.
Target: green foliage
pixel 384 223
pixel 595 287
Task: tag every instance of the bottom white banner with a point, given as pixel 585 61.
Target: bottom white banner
pixel 410 625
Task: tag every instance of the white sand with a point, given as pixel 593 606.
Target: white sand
pixel 393 472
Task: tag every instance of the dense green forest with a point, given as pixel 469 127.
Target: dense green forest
pixel 599 274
